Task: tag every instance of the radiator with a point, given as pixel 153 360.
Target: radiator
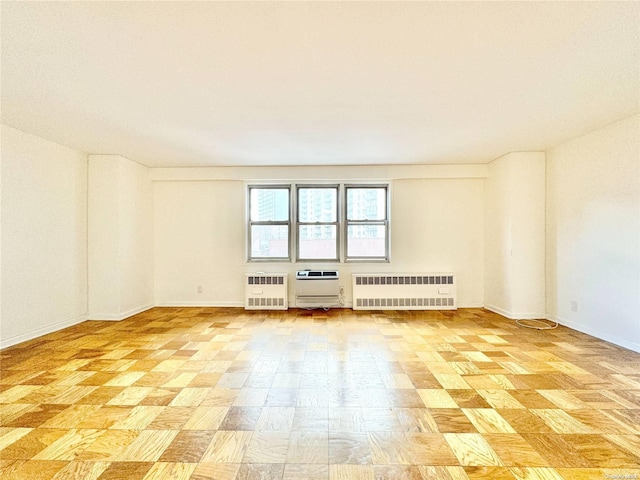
pixel 317 289
pixel 266 291
pixel 408 291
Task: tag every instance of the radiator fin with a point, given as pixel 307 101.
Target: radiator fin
pixel 405 280
pixel 266 302
pixel 404 302
pixel 265 280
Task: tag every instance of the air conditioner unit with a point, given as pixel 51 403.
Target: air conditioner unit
pixel 266 291
pixel 317 289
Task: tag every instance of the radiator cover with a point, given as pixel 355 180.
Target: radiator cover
pixel 404 291
pixel 317 288
pixel 266 291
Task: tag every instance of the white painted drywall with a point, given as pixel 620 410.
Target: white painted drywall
pixel 437 225
pixel 136 238
pixel 199 242
pixel 593 233
pixel 104 211
pixel 515 235
pixel 44 236
pixel 120 238
pixel 1 155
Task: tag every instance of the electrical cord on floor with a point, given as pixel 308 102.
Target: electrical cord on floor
pixel 545 327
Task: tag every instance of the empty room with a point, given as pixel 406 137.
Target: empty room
pixel 320 240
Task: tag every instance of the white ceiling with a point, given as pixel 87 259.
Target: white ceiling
pixel 327 83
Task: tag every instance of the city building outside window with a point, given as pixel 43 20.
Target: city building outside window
pixel 318 222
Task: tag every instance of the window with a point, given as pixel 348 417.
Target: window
pixel 269 223
pixel 317 222
pixel 367 224
pixel 330 223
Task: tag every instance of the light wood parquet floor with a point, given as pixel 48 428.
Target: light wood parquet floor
pixel 203 393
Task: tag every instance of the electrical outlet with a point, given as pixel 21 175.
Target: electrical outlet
pixel 341 289
pixel 199 288
pixel 574 306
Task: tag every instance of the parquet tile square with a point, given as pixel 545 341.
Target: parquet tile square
pixel 130 470
pixel 34 470
pixel 452 420
pixel 215 393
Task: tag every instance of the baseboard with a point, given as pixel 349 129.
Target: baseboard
pixel 54 327
pixel 116 317
pixel 199 304
pixel 135 311
pixel 621 342
pixel 514 315
pixel 471 305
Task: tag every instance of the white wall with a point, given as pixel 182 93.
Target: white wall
pixel 120 238
pixel 437 225
pixel 104 212
pixel 44 237
pixel 515 235
pixel 136 238
pixel 199 242
pixel 593 233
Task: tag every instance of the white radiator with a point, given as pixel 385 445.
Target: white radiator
pixel 407 291
pixel 317 289
pixel 266 291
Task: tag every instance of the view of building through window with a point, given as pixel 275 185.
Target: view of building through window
pixel 366 222
pixel 269 219
pixel 317 222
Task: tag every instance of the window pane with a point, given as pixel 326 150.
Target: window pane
pixel 366 203
pixel 318 204
pixel 317 241
pixel 366 241
pixel 269 241
pixel 269 204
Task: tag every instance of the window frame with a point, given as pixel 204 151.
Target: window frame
pixel 298 223
pixel 251 223
pixel 386 258
pixel 342 222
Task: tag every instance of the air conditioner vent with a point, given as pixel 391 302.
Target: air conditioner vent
pixel 317 288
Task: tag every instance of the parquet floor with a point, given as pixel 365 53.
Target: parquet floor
pixel 196 393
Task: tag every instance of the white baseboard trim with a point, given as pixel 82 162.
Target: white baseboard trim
pixel 621 342
pixel 199 304
pixel 116 317
pixel 135 311
pixel 471 305
pixel 54 327
pixel 516 315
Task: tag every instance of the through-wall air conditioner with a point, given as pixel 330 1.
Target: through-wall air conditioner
pixel 317 289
